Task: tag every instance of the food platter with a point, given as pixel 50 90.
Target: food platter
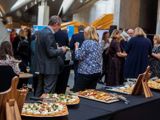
pixel 67 99
pixel 44 110
pixel 154 84
pixel 99 96
pixel 122 89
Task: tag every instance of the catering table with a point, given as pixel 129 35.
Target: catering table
pixel 139 108
pixel 25 75
pixel 24 79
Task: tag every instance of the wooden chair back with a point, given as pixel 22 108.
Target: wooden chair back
pixel 18 95
pixel 12 110
pixel 3 100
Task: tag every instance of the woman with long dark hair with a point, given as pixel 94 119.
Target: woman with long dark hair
pixel 8 66
pixel 6 56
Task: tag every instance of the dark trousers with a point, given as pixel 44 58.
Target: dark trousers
pixel 46 84
pixel 86 81
pixel 75 72
pixel 63 80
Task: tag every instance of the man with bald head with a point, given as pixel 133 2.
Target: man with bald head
pixel 130 32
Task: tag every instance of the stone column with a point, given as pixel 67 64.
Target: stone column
pixel 117 5
pixel 43 13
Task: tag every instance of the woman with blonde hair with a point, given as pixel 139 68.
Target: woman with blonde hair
pixel 114 63
pixel 155 61
pixel 90 60
pixel 138 49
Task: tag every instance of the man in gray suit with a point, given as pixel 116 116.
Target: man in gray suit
pixel 47 57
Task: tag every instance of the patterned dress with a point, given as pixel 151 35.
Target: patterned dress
pixel 155 63
pixel 11 62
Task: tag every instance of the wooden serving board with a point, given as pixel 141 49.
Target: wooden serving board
pixel 108 102
pixel 112 90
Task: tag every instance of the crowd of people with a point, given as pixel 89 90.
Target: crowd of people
pixel 120 55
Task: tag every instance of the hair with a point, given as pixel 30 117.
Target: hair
pixel 21 33
pixel 157 38
pixel 80 28
pixel 104 35
pixel 5 49
pixel 114 33
pixel 91 33
pixel 139 32
pixel 55 20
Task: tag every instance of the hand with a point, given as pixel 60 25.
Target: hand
pixel 64 49
pixel 76 45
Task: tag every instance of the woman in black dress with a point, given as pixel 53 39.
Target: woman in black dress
pixel 114 63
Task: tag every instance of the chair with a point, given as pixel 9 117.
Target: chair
pixel 6 75
pixel 3 100
pixel 12 93
pixel 12 111
pixel 18 95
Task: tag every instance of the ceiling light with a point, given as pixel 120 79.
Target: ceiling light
pixel 26 7
pixel 35 2
pixel 81 1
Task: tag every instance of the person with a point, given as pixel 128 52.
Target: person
pixel 114 64
pixel 154 62
pixel 23 51
pixel 130 32
pixel 90 60
pixel 47 60
pixel 79 37
pixel 6 56
pixel 4 36
pixel 62 39
pixel 13 34
pixel 16 41
pixel 105 44
pixel 138 49
pixel 8 66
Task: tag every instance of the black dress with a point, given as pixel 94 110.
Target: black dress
pixel 138 50
pixel 114 65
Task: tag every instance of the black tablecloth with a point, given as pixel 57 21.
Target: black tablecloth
pixel 139 108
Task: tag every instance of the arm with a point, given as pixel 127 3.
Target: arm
pixel 128 45
pixel 50 46
pixel 157 56
pixel 80 53
pixel 121 54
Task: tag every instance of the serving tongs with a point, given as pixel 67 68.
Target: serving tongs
pixel 122 98
pixel 42 100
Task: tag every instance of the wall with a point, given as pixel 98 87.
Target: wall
pixel 158 18
pixel 91 13
pixel 129 13
pixel 148 15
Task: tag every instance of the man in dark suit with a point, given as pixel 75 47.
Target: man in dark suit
pixel 47 57
pixel 62 40
pixel 79 37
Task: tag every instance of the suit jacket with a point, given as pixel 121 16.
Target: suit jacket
pixel 61 38
pixel 46 59
pixel 79 37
